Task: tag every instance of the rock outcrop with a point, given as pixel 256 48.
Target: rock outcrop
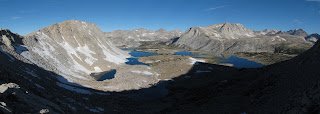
pixel 132 38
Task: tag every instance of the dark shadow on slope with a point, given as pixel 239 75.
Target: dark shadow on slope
pixel 173 40
pixel 48 90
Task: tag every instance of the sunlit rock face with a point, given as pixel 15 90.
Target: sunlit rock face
pixel 74 49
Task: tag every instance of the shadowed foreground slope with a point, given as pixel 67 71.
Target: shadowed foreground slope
pixel 288 87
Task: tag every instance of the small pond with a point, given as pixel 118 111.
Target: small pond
pixel 187 53
pixel 134 59
pixel 140 53
pixel 130 48
pixel 241 62
pixel 104 75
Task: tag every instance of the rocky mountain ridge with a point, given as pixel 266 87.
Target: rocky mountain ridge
pixel 313 37
pixel 132 38
pixel 228 37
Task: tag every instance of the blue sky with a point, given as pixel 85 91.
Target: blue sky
pixel 26 16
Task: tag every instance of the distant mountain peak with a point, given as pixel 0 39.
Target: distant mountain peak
pixel 298 32
pixel 226 23
pixel 161 30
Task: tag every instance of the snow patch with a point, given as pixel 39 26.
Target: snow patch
pixel 202 71
pixel 89 61
pixel 216 35
pixel 142 72
pixel 94 110
pixel 32 74
pixel 149 61
pixel 39 86
pixel 282 39
pixel 102 93
pixel 99 108
pixel 87 52
pixel 20 48
pixel 112 58
pixel 97 69
pixel 7 54
pixel 70 88
pixel 193 60
pixel 168 79
pixel 249 35
pixel 147 73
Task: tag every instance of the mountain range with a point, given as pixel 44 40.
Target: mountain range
pixel 132 38
pixel 224 37
pixel 228 37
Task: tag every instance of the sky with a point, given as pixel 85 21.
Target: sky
pixel 26 16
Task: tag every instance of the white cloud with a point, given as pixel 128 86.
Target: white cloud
pixel 26 11
pixel 214 8
pixel 313 0
pixel 16 17
pixel 297 21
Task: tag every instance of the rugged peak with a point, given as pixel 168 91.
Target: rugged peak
pixel 9 39
pixel 161 30
pixel 266 30
pixel 226 23
pixel 74 21
pixel 192 29
pixel 281 32
pixel 69 30
pixel 295 32
pixel 219 31
pixel 139 29
pixel 220 25
pixel 178 31
pixel 298 32
pixel 313 37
